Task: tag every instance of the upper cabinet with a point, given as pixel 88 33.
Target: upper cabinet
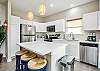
pixel 90 21
pixel 59 25
pixel 40 27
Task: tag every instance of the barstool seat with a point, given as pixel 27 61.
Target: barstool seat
pixel 25 59
pixel 21 52
pixel 37 63
pixel 28 56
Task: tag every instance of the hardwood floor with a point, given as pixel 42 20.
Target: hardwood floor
pixel 78 67
pixel 84 67
pixel 4 66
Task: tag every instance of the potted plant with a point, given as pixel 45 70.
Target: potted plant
pixel 2 38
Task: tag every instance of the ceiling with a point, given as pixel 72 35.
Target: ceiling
pixel 59 5
pixel 3 1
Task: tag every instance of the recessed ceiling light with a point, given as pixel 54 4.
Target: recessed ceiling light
pixel 51 5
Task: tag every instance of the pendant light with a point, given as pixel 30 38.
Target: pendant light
pixel 42 8
pixel 30 15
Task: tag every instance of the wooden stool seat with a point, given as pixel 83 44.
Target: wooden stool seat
pixel 28 56
pixel 37 63
pixel 25 59
pixel 21 52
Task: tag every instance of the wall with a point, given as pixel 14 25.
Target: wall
pixel 2 13
pixel 99 5
pixel 75 12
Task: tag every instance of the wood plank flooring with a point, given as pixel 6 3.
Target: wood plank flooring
pixel 78 67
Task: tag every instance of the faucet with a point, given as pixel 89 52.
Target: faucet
pixel 72 36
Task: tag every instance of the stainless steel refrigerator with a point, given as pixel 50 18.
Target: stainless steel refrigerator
pixel 27 33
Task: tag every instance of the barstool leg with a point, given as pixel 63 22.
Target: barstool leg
pixel 26 66
pixel 21 67
pixel 18 63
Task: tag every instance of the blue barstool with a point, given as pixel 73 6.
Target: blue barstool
pixel 18 56
pixel 25 59
pixel 37 64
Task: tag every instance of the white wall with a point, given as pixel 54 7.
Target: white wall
pixel 2 13
pixel 99 4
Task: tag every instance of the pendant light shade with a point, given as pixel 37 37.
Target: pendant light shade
pixel 42 9
pixel 30 15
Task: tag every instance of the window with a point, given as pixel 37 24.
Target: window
pixel 74 26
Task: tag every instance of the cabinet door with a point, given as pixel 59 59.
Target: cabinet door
pixel 60 25
pixel 90 21
pixel 68 49
pixel 37 27
pixel 40 27
pixel 73 49
pixel 43 27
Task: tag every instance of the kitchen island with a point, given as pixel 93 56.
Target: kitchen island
pixel 53 51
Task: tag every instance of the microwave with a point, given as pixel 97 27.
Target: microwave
pixel 51 28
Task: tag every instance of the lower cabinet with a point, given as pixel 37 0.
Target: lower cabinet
pixel 73 49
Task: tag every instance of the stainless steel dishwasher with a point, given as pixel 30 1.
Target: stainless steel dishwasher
pixel 89 53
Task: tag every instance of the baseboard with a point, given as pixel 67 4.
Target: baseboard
pixel 9 60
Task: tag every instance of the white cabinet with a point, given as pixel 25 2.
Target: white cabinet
pixel 50 23
pixel 90 21
pixel 73 49
pixel 14 34
pixel 60 25
pixel 40 27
